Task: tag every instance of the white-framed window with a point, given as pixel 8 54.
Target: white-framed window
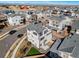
pixel 40 33
pixel 35 33
pixel 42 38
pixel 45 31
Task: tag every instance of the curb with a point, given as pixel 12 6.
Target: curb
pixel 11 48
pixel 4 34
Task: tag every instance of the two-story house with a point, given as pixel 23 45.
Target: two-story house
pixel 39 35
pixel 15 19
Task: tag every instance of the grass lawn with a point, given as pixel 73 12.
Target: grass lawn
pixel 33 51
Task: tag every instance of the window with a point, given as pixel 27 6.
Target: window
pixel 32 40
pixel 56 22
pixel 40 44
pixel 56 25
pixel 44 42
pixel 21 22
pixel 34 33
pixel 53 24
pixel 42 38
pixel 40 34
pixel 45 31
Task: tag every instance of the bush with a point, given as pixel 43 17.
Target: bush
pixel 28 43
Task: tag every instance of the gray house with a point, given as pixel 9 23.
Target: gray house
pixel 67 48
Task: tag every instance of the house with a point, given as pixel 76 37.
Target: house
pixel 54 22
pixel 39 35
pixel 55 12
pixel 69 13
pixel 66 48
pixel 20 12
pixel 33 17
pixel 3 21
pixel 58 23
pixel 47 13
pixel 8 11
pixel 40 15
pixel 70 47
pixel 16 19
pixel 75 25
pixel 27 16
pixel 22 7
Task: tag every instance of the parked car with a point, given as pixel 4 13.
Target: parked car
pixel 12 32
pixel 20 35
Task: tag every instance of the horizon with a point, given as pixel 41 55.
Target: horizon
pixel 41 2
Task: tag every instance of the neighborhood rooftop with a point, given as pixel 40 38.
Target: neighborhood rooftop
pixel 58 18
pixel 70 45
pixel 36 26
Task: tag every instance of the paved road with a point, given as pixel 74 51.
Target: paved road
pixel 2 31
pixel 7 42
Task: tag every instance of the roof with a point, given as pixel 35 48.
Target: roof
pixel 36 26
pixel 70 45
pixel 3 17
pixel 55 45
pixel 58 18
pixel 75 52
pixel 68 49
pixel 75 25
pixel 52 55
pixel 70 41
pixel 13 15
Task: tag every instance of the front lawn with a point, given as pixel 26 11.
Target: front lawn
pixel 33 51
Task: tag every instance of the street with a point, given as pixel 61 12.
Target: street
pixel 7 42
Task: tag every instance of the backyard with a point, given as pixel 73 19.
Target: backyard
pixel 33 51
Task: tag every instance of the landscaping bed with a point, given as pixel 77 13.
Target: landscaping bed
pixel 33 51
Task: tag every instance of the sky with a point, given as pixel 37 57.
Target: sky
pixel 41 2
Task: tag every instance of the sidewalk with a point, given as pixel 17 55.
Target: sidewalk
pixel 36 56
pixel 12 48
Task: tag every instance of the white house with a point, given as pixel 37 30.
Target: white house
pixel 59 23
pixel 39 35
pixel 40 15
pixel 27 16
pixel 73 13
pixel 66 21
pixel 69 12
pixel 15 19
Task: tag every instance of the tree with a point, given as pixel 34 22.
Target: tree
pixel 24 21
pixel 28 43
pixel 23 50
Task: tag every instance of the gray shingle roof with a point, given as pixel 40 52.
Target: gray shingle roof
pixel 12 15
pixel 76 24
pixel 68 49
pixel 75 52
pixel 58 18
pixel 71 41
pixel 54 47
pixel 37 27
pixel 71 45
